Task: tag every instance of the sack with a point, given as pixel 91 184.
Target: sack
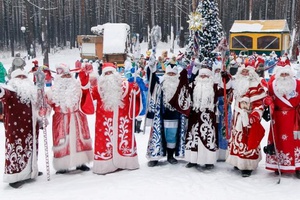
pixel 255 135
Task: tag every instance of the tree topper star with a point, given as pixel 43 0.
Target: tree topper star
pixel 196 21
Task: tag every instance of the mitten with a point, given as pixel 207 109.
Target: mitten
pixel 268 101
pixel 254 117
pixel 88 68
pixel 84 78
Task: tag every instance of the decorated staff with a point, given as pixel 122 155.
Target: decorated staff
pixel 40 83
pixel 137 53
pixel 223 47
pixel 155 38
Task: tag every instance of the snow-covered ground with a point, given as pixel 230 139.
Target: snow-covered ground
pixel 162 182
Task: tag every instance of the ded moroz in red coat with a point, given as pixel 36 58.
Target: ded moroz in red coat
pixel 239 154
pixel 113 133
pixel 72 144
pixel 287 138
pixel 21 137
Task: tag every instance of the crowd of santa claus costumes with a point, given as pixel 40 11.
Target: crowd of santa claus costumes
pixel 200 131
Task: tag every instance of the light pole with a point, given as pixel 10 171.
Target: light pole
pixel 23 29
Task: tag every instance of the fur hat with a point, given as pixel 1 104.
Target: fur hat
pixel 106 67
pixel 18 72
pixel 217 65
pixel 283 66
pixel 259 60
pixel 251 65
pixel 172 68
pixel 62 69
pixel 205 71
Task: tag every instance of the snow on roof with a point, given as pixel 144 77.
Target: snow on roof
pixel 259 26
pixel 114 37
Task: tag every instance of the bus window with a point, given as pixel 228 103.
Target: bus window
pixel 268 42
pixel 244 42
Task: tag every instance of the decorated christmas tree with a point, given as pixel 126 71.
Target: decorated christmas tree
pixel 206 32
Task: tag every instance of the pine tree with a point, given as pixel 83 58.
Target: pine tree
pixel 211 33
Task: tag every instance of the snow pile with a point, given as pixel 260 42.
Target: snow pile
pixel 115 38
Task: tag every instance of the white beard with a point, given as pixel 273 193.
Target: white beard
pixel 169 87
pixel 25 89
pixel 241 85
pixel 203 95
pixel 66 93
pixel 110 90
pixel 284 85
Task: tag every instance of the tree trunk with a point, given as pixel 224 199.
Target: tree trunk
pixel 45 47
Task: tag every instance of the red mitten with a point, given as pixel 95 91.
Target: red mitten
pixel 88 68
pixel 84 78
pixel 268 101
pixel 254 117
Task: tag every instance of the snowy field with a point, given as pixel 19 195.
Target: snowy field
pixel 164 182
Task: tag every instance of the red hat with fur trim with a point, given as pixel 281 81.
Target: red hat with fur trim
pixel 106 67
pixel 258 61
pixel 250 64
pixel 283 66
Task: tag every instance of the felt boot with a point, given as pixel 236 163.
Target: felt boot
pixel 171 159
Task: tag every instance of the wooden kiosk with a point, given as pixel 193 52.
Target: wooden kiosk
pixel 260 36
pixel 91 46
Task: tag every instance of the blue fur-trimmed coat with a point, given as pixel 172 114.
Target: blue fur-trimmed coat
pixel 158 112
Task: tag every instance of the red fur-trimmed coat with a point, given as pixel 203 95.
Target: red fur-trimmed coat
pixel 239 154
pixel 72 144
pixel 21 138
pixel 287 135
pixel 115 146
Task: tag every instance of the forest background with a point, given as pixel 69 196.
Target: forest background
pixel 55 24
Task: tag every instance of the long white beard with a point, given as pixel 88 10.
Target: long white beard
pixel 284 85
pixel 25 89
pixel 169 87
pixel 110 90
pixel 203 95
pixel 66 92
pixel 241 85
